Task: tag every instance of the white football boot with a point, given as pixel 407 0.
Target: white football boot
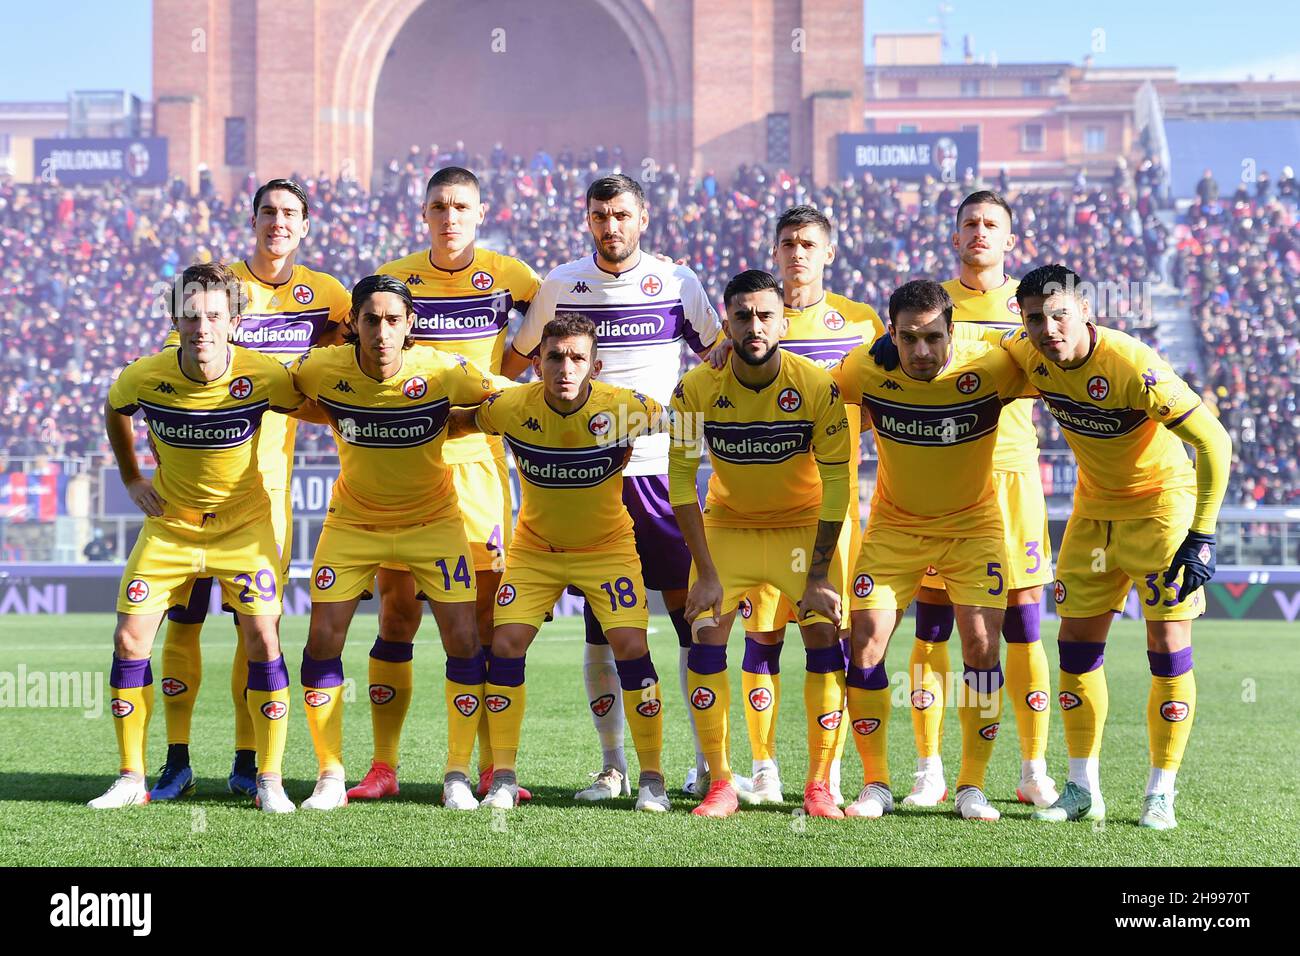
pixel 331 793
pixel 874 801
pixel 971 804
pixel 127 790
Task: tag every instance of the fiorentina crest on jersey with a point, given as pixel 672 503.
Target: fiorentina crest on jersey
pixel 863 585
pixel 922 698
pixel 1098 388
pixel 760 698
pixel 1058 592
pixel 302 294
pixel 481 280
pixel 137 591
pixel 120 707
pixel 1013 305
pixel 505 595
pixel 789 400
pixel 833 321
pixel 325 578
pixel 241 387
pixel 1037 700
pixel 496 702
pixel 651 285
pixel 415 387
pixel 1068 701
pixel 600 424
pixel 967 383
pixel 746 608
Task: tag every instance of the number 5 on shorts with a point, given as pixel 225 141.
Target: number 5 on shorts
pixel 994 571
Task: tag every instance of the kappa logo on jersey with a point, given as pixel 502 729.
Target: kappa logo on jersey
pixel 601 705
pixel 831 721
pixel 316 698
pixel 414 388
pixel 1174 711
pixel 275 709
pixel 1150 377
pixel 465 703
pixel 241 387
pixel 120 707
pixel 496 702
pixel 1058 592
pixel 1098 388
pixel 968 382
pixel 760 698
pixel 137 591
pixel 649 708
pixel 1037 700
pixel 863 585
pixel 505 595
pixel 789 400
pixel 1068 701
pixel 866 726
pixel 381 693
pixel 921 699
pixel 746 608
pixel 651 285
pixel 833 321
pixel 325 578
pixel 702 698
pixel 302 294
pixel 532 425
pixel 343 386
pixel 1013 305
pixel 580 287
pixel 600 424
pixel 171 686
pixel 1041 369
pixel 990 732
pixel 165 388
pixel 724 402
pixel 481 280
pixel 414 280
pixel 890 385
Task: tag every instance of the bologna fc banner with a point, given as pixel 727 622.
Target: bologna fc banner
pixel 909 156
pixel 140 161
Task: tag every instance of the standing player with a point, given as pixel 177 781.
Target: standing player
pixel 394 501
pixel 823 327
pixel 571 436
pixel 935 417
pixel 1142 515
pixel 463 296
pixel 643 309
pixel 983 298
pixel 208 512
pixel 290 308
pixel 779 441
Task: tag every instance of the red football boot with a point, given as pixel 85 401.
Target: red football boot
pixel 818 802
pixel 380 781
pixel 720 801
pixel 485 784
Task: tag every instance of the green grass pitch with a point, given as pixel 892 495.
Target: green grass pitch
pixel 1237 803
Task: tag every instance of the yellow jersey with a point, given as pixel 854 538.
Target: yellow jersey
pixel 1116 411
pixel 570 464
pixel 976 312
pixel 390 434
pixel 283 321
pixel 204 433
pixel 780 453
pixel 467 312
pixel 935 439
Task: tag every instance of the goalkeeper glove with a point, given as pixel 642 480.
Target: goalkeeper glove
pixel 885 352
pixel 1195 558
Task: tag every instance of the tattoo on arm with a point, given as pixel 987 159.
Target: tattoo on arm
pixel 828 533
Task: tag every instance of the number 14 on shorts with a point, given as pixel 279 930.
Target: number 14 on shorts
pixel 460 575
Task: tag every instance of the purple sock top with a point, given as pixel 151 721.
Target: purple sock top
pixel 1170 665
pixel 1080 657
pixel 506 671
pixel 825 660
pixel 636 674
pixel 130 673
pixel 467 670
pixel 707 658
pixel 1020 625
pixel 868 678
pixel 846 650
pixel 934 621
pixel 762 658
pixel 683 629
pixel 983 680
pixel 326 673
pixel 268 675
pixel 395 652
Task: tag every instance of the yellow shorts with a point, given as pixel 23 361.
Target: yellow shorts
pixel 751 558
pixel 1024 531
pixel 436 553
pixel 483 488
pixel 892 564
pixel 609 579
pixel 236 547
pixel 764 608
pixel 1100 560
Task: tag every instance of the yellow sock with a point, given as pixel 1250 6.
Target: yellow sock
pixel 1084 698
pixel 391 677
pixel 1030 692
pixel 710 696
pixel 322 684
pixel 1171 708
pixel 131 684
pixel 869 717
pixel 643 709
pixel 504 700
pixel 928 672
pixel 842 732
pixel 484 746
pixel 464 692
pixel 268 709
pixel 762 700
pixel 979 709
pixel 245 739
pixel 182 667
pixel 823 698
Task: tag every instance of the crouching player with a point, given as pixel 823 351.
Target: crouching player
pixel 571 437
pixel 208 515
pixel 394 501
pixel 935 416
pixel 776 431
pixel 1142 516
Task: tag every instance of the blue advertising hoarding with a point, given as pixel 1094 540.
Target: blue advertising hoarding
pixel 909 156
pixel 139 161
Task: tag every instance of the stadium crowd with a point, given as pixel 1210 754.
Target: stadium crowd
pixel 79 270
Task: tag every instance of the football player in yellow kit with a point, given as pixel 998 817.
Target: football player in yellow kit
pixel 1143 516
pixel 463 297
pixel 289 309
pixel 983 298
pixel 207 511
